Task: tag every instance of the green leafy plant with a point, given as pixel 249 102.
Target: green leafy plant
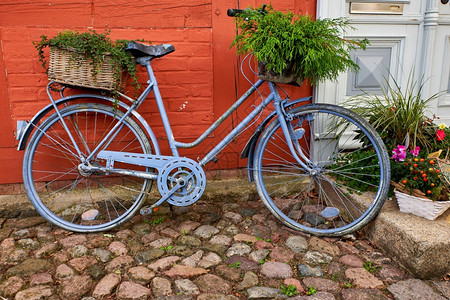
pixel 311 291
pixel 290 290
pixel 155 221
pixel 416 175
pixel 369 266
pixel 441 141
pixel 166 248
pixel 94 46
pixel 361 160
pixel 398 114
pixel 314 48
pixel 235 265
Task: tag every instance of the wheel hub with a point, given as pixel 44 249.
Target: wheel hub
pixel 87 169
pixel 315 171
pixel 84 169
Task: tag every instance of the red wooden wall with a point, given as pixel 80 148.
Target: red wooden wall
pixel 198 82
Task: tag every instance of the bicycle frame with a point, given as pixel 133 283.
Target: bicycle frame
pixel 174 145
pixel 274 97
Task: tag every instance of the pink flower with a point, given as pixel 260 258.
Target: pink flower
pixel 416 150
pixel 399 153
pixel 440 135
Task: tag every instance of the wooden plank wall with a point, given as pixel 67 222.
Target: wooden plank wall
pixel 199 81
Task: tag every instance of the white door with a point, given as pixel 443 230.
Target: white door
pixel 437 66
pixel 405 37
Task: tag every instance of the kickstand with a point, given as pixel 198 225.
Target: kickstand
pixel 172 212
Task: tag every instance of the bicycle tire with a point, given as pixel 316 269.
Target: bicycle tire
pixel 63 194
pixel 350 173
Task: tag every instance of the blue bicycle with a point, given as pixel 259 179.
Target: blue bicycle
pixel 89 166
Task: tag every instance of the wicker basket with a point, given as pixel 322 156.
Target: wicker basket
pixel 421 207
pixel 64 69
pixel 444 166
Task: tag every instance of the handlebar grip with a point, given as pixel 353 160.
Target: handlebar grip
pixel 232 12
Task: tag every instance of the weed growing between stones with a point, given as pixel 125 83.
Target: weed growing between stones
pixel 290 290
pixel 368 265
pixel 311 291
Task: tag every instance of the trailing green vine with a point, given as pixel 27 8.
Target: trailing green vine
pixel 316 48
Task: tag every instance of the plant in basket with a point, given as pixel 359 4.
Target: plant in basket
pixel 87 59
pixel 420 188
pixel 418 175
pixel 312 49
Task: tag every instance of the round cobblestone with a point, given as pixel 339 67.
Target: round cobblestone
pixel 213 250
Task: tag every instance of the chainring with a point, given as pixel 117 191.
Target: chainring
pixel 186 170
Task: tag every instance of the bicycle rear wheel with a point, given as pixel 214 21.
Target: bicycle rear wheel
pixel 346 178
pixel 74 199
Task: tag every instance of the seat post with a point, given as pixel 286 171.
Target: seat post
pixel 162 109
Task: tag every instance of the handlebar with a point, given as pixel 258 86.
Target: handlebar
pixel 232 12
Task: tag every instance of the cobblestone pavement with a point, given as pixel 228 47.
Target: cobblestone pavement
pixel 206 251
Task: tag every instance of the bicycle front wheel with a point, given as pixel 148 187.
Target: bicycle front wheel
pixel 74 199
pixel 342 180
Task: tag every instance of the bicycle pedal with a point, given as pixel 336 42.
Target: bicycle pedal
pixel 146 210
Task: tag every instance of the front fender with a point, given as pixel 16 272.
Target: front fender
pixel 249 149
pixel 49 109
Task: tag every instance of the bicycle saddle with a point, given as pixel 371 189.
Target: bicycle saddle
pixel 142 50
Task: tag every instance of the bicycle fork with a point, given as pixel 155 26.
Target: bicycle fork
pixel 292 136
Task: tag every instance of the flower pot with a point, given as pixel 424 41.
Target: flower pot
pixel 286 77
pixel 419 206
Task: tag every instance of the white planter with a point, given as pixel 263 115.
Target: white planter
pixel 421 207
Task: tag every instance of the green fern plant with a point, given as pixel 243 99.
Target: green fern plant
pixel 315 49
pixel 93 45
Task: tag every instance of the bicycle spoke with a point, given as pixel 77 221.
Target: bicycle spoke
pixel 320 193
pixel 79 199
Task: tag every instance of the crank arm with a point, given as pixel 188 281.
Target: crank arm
pixel 148 209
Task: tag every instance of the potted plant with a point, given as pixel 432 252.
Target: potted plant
pixel 87 59
pixel 420 183
pixel 418 174
pixel 288 43
pixel 399 114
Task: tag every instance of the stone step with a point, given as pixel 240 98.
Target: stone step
pixel 419 245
